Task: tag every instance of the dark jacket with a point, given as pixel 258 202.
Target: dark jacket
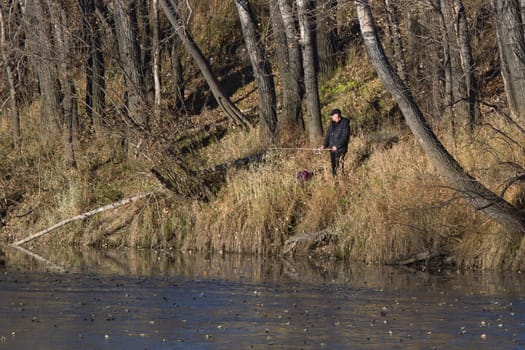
pixel 338 135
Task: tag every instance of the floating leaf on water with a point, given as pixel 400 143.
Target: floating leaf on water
pixel 383 311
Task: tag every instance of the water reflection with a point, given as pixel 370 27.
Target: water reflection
pixel 142 299
pixel 158 263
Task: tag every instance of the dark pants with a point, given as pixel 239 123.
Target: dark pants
pixel 337 159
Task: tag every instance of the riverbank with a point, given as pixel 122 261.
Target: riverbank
pixel 389 206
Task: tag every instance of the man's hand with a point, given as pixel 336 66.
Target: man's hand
pixel 334 149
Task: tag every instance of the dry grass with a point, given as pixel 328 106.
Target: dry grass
pixel 391 204
pixel 255 212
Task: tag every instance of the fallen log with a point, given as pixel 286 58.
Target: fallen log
pixel 416 258
pixel 82 217
pixel 306 242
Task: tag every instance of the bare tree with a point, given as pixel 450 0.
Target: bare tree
pixel 95 68
pixel 522 10
pixel 170 10
pixel 310 75
pixel 62 44
pixel 467 63
pixel 450 119
pixel 425 63
pixel 511 44
pixel 177 72
pixel 394 32
pixel 481 198
pixel 6 54
pixel 145 40
pixel 460 66
pixel 326 37
pixel 41 55
pixel 130 59
pixel 261 68
pixel 290 64
pixel 156 56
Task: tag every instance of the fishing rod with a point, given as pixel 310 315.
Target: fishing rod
pixel 316 150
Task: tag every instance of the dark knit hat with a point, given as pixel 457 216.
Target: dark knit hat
pixel 335 111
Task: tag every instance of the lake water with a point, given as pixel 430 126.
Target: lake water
pixel 120 299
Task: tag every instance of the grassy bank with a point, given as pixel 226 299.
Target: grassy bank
pixel 389 205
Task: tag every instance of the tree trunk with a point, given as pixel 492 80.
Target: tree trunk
pixel 291 68
pixel 326 37
pixel 41 54
pixel 310 75
pixel 145 37
pixel 130 59
pixel 156 57
pixel 62 44
pixel 95 70
pixel 522 11
pixel 472 190
pixel 510 38
pixel 261 69
pixel 449 115
pixel 193 49
pixel 5 53
pixel 425 63
pixel 458 86
pixel 395 37
pixel 177 70
pixel 467 61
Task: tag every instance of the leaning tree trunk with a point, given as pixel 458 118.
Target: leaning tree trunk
pixel 473 191
pixel 510 37
pixel 261 69
pixel 290 65
pixel 310 75
pixel 13 105
pixel 193 49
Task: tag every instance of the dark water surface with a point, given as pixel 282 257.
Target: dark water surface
pixel 153 300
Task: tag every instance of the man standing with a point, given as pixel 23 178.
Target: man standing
pixel 336 139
